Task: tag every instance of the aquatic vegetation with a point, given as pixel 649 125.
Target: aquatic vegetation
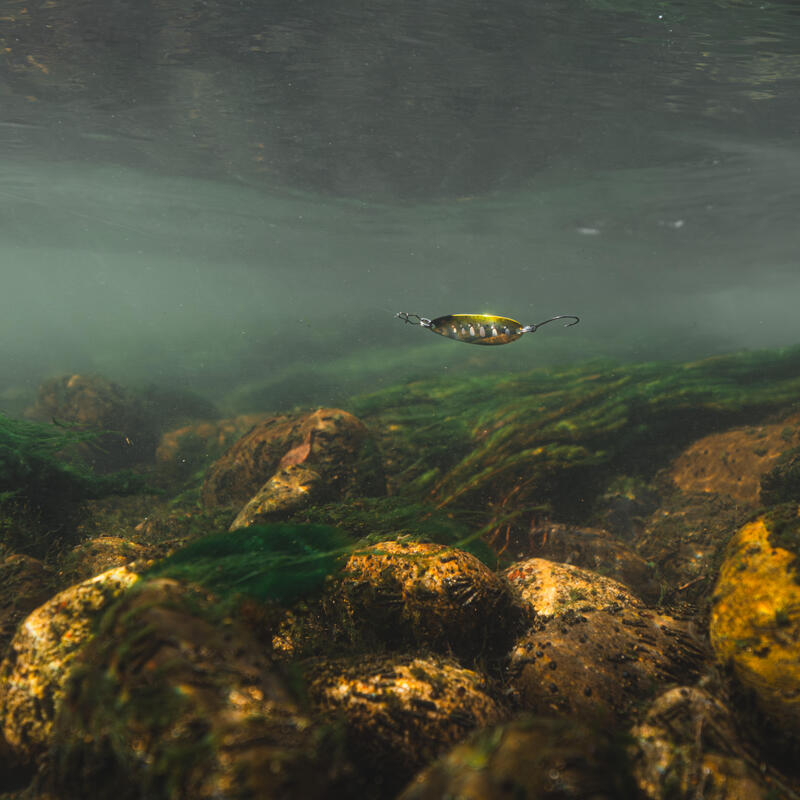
pixel 374 519
pixel 280 562
pixel 555 435
pixel 42 477
pixel 38 463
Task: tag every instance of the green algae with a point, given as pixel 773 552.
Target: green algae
pixel 281 562
pixel 554 435
pixel 42 478
pixel 369 520
pixel 39 462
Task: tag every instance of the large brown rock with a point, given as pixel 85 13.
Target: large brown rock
pixel 126 433
pixel 530 758
pixel 601 664
pixel 34 672
pixel 412 593
pixel 733 462
pixel 551 589
pixel 755 616
pixel 171 701
pixel 245 466
pixel 287 462
pixel 401 711
pixel 687 745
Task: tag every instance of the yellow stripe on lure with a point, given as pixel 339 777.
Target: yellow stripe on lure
pixel 479 328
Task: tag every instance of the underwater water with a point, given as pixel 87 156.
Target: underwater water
pixel 198 196
pixel 211 214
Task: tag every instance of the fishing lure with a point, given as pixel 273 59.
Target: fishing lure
pixel 479 328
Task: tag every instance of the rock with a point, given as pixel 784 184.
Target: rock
pixel 169 700
pixel 186 449
pixel 103 553
pixel 601 664
pixel 550 589
pixel 247 464
pixel 782 483
pixel 25 583
pixel 412 593
pixel 290 489
pixel 687 746
pixel 733 462
pixel 126 432
pixel 401 711
pixel 288 462
pixel 535 758
pixel 35 670
pixel 592 549
pixel 685 539
pixel 755 616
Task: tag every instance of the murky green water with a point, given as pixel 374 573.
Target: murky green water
pixel 201 193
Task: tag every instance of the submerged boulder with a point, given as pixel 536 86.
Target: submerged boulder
pixel 733 462
pixel 536 758
pixel 401 711
pixel 413 593
pixel 170 701
pixel 755 617
pixel 126 431
pixel 600 665
pixel 25 583
pixel 687 746
pixel 551 589
pixel 288 462
pixel 34 673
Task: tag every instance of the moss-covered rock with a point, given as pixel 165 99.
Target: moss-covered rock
pixel 600 665
pixel 289 462
pixel 184 450
pixel 25 583
pixel 687 745
pixel 170 701
pixel 685 541
pixel 536 758
pixel 755 617
pixel 34 672
pixel 551 589
pixel 411 593
pixel 733 462
pixel 400 711
pixel 126 431
pixel 591 549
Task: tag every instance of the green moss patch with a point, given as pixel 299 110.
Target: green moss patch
pixel 369 520
pixel 280 562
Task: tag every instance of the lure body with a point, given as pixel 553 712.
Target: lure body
pixel 478 328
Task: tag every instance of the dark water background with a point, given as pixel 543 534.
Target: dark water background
pixel 237 195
